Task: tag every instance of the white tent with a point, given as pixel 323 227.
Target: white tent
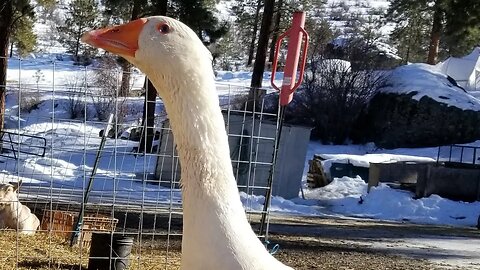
pixel 465 70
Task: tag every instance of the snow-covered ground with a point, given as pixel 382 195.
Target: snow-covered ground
pixel 62 175
pixel 72 144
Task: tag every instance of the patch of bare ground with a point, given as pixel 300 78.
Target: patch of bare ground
pixel 305 243
pixel 310 253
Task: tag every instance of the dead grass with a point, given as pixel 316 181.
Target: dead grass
pixel 44 251
pixel 39 251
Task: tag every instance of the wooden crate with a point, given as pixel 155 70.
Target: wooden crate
pixel 58 222
pixel 96 223
pixel 61 223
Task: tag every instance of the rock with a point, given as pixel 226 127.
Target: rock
pixel 395 120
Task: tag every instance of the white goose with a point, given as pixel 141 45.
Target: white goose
pixel 216 233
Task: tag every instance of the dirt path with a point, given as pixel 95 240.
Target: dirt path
pixel 305 243
pixel 365 244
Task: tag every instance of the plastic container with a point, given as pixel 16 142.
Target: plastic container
pixel 109 251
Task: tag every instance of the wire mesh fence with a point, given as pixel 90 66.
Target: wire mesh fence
pixel 72 162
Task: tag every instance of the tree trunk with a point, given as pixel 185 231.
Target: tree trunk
pixel 435 36
pixel 148 117
pixel 251 48
pixel 255 94
pixel 162 7
pixel 126 71
pixel 124 64
pixel 77 48
pixel 276 30
pixel 6 19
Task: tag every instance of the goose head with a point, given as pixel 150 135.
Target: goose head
pixel 159 46
pixel 179 66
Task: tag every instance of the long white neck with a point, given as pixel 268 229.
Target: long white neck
pixel 216 233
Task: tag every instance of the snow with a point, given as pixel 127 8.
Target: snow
pixel 365 160
pixel 243 78
pixel 349 197
pixel 342 195
pixel 223 10
pixel 72 145
pixel 426 80
pixel 341 198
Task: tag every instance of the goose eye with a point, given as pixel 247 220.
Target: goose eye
pixel 163 28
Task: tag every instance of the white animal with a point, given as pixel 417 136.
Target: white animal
pixel 13 214
pixel 216 233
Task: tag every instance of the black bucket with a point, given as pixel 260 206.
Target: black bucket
pixel 109 252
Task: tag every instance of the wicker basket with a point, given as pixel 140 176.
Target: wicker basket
pixel 61 223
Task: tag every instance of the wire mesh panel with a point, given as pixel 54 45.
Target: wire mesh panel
pixel 81 174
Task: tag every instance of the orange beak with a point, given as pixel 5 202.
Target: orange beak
pixel 121 40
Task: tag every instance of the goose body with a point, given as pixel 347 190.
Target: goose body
pixel 216 232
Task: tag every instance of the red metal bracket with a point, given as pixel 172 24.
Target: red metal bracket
pixel 296 35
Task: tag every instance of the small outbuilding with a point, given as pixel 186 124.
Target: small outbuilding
pixel 252 143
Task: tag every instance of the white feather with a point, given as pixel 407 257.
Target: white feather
pixel 216 233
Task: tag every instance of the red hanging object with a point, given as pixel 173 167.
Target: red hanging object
pixel 296 34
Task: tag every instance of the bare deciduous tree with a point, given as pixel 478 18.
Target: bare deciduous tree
pixel 106 98
pixel 332 97
pixel 75 90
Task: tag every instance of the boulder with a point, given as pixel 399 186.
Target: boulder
pixel 419 106
pixel 398 120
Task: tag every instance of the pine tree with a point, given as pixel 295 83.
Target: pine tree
pixel 453 24
pixel 81 16
pixel 411 35
pixel 23 37
pixel 276 29
pixel 462 29
pixel 320 35
pixel 6 19
pixel 247 14
pixel 198 15
pixel 120 11
pixel 225 53
pixel 46 9
pixel 11 13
